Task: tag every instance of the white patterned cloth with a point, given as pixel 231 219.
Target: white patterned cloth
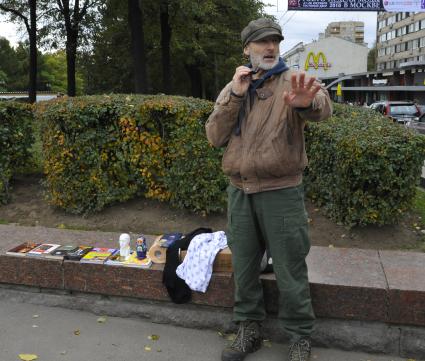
pixel 196 268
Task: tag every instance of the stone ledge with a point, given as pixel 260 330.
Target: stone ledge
pixel 351 284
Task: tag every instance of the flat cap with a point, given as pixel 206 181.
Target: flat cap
pixel 259 29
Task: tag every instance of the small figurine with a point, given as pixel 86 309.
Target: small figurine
pixel 141 247
pixel 124 246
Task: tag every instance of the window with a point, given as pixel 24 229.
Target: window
pixel 417 26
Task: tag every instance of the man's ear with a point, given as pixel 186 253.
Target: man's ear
pixel 246 50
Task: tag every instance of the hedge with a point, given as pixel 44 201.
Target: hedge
pixel 16 139
pixel 105 149
pixel 363 168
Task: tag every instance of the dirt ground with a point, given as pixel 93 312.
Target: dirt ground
pixel 151 217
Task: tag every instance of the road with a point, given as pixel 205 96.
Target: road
pixel 56 334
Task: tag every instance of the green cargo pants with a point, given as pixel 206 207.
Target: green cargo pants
pixel 278 220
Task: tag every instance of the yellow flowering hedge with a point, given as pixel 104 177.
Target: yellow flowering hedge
pixel 104 149
pixel 16 140
pixel 363 168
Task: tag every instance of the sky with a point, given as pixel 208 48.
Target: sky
pixel 297 26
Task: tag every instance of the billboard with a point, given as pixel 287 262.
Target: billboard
pixel 358 5
pixel 341 5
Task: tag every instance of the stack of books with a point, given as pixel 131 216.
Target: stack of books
pixel 84 254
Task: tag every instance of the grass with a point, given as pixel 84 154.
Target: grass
pixel 419 204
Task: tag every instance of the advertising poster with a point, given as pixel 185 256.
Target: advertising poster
pixel 339 5
pixel 404 5
pixel 358 5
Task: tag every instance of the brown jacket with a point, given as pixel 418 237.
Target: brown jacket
pixel 269 153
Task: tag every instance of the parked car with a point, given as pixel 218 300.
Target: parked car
pixel 418 125
pixel 399 111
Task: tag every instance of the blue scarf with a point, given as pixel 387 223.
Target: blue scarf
pixel 280 67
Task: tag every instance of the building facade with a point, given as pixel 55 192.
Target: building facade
pixel 400 40
pixel 328 57
pixel 349 30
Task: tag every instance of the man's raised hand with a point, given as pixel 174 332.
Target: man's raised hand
pixel 302 93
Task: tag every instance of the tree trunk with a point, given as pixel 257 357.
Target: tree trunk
pixel 71 54
pixel 195 80
pixel 165 47
pixel 135 20
pixel 32 87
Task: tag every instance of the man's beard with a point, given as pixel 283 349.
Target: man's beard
pixel 257 62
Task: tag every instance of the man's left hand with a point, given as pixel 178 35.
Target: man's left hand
pixel 303 91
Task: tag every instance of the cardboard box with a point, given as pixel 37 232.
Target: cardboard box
pixel 222 262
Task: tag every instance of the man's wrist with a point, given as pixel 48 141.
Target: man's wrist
pixel 304 109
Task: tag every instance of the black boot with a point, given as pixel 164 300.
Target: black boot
pixel 248 340
pixel 300 350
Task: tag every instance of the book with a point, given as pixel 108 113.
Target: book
pixel 98 255
pixel 79 253
pixel 43 249
pixel 59 253
pixel 22 249
pixel 132 261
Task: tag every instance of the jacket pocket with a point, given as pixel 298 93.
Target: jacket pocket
pixel 232 156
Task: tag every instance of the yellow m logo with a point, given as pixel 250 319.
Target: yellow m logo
pixel 313 60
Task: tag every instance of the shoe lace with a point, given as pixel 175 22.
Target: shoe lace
pixel 299 351
pixel 244 338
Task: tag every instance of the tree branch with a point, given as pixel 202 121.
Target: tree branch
pixel 18 14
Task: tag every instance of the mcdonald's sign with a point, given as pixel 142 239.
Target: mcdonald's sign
pixel 313 60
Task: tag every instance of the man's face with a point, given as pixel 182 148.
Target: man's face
pixel 264 53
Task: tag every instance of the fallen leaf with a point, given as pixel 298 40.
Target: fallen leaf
pixel 61 226
pixel 147 348
pixel 230 337
pixel 77 332
pixel 153 337
pixel 27 357
pixel 267 343
pixel 101 319
pixel 35 316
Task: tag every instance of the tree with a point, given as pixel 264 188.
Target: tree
pixel 26 12
pixel 74 22
pixel 165 46
pixel 111 48
pixel 371 58
pixel 135 21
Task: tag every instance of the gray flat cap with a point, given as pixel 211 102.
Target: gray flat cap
pixel 259 29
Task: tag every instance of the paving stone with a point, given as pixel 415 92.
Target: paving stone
pixel 347 283
pixel 405 272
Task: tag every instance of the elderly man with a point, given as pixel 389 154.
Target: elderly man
pixel 259 117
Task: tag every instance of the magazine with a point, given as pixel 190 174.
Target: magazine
pixel 79 253
pixel 98 255
pixel 132 261
pixel 59 253
pixel 22 249
pixel 43 249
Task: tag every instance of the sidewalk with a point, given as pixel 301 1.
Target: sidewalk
pixel 55 334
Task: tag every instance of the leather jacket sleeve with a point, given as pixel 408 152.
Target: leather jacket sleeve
pixel 224 117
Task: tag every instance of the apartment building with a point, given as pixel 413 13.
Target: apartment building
pixel 400 40
pixel 349 30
